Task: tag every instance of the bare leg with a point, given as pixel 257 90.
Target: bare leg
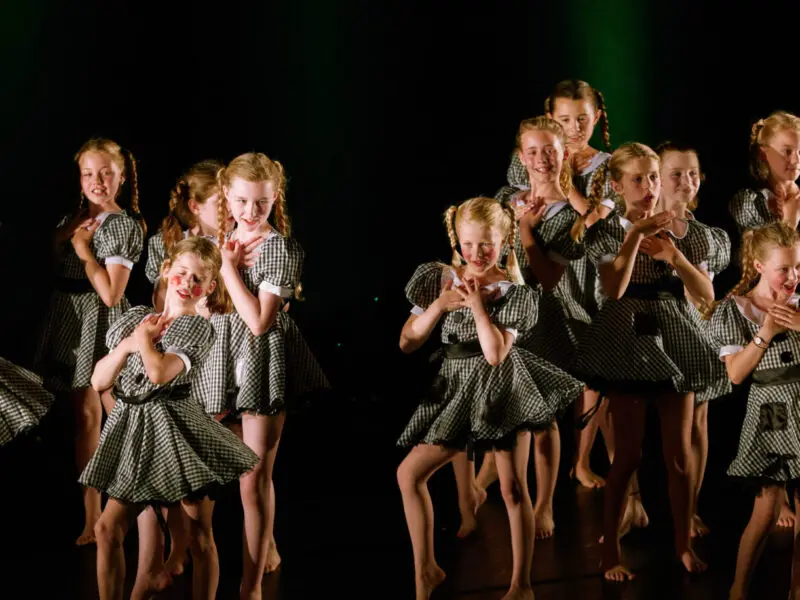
pixel 676 414
pixel 178 522
pixel 108 401
pixel 205 561
pixel 273 558
pixel 546 456
pixel 700 458
pixel 262 434
pixel 412 477
pixel 585 440
pixel 88 419
pixel 794 592
pixel 513 469
pixel 150 575
pixel 110 533
pixel 488 473
pixel 787 517
pixel 766 509
pixel 606 428
pixel 470 496
pixel 629 420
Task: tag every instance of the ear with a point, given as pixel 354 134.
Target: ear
pixel 759 267
pixel 521 157
pixel 194 206
pixel 549 115
pixel 164 268
pixel 597 116
pixel 617 187
pixel 762 151
pixel 211 287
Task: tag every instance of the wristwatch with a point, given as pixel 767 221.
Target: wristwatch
pixel 761 342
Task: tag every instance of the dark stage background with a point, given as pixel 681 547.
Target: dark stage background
pixel 383 114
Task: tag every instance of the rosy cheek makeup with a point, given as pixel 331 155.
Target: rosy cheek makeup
pixel 175 280
pixel 197 291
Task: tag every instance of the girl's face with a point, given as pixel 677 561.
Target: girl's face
pixel 578 118
pixel 101 177
pixel 640 185
pixel 480 246
pixel 188 281
pixel 207 215
pixel 250 203
pixel 680 176
pixel 781 270
pixel 782 154
pixel 543 156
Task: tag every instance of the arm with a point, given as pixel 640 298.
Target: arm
pixel 257 312
pixel 107 368
pixel 616 275
pixel 160 368
pixel 546 271
pixel 697 282
pixel 418 328
pixel 109 282
pixel 495 342
pixel 578 201
pixel 741 364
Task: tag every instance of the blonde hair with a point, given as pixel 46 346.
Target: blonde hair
pixel 491 213
pixel 543 123
pixel 761 133
pixel 127 166
pixel 575 89
pixel 613 167
pixel 255 166
pixel 665 148
pixel 756 245
pixel 199 183
pixel 219 301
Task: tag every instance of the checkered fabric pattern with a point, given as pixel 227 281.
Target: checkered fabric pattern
pixel 156 253
pixel 23 400
pixel 476 400
pixel 769 447
pixel 656 341
pixel 75 325
pixel 166 449
pixel 750 209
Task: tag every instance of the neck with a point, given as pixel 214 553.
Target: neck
pixel 550 191
pixel 676 206
pixel 203 229
pixel 781 186
pixel 490 276
pixel 96 209
pixel 245 237
pixel 764 295
pixel 172 310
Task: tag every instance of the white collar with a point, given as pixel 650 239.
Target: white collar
pixel 626 224
pixel 100 218
pixel 594 162
pixel 503 285
pixel 187 233
pixel 554 208
pixel 754 314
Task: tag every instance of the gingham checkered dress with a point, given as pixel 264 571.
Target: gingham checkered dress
pixel 269 370
pixel 75 326
pixel 216 363
pixel 563 318
pixel 167 449
pixel 649 346
pixel 23 400
pixel 472 403
pixel 769 444
pixel 750 209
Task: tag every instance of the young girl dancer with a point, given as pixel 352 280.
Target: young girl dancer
pixel 489 392
pixel 158 447
pixel 680 183
pixel 775 167
pixel 756 327
pixel 269 361
pixel 23 401
pixel 646 342
pixel 579 108
pixel 97 248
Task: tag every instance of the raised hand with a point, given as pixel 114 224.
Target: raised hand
pixel 232 252
pixel 655 224
pixel 659 247
pixel 148 330
pixel 250 252
pixel 785 317
pixel 82 236
pixel 449 299
pixel 471 296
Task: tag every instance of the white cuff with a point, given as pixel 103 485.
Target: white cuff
pixel 607 258
pixel 276 290
pixel 416 310
pixel 608 203
pixel 513 332
pixel 556 257
pixel 728 350
pixel 119 260
pixel 182 355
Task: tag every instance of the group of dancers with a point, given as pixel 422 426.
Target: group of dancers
pixel 587 281
pixel 195 387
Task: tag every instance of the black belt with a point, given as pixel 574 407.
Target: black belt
pixel 74 286
pixel 669 288
pixel 178 392
pixel 777 376
pixel 463 349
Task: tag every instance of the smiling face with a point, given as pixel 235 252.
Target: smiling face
pixel 101 177
pixel 782 155
pixel 480 246
pixel 639 185
pixel 542 154
pixel 578 118
pixel 250 203
pixel 188 281
pixel 680 176
pixel 780 269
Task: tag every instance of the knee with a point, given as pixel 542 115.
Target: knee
pixel 406 479
pixel 107 534
pixel 513 491
pixel 679 463
pixel 89 415
pixel 254 487
pixel 700 418
pixel 201 540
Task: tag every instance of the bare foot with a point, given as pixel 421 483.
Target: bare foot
pixel 543 522
pixel 468 521
pixel 699 529
pixel 586 477
pixel 634 516
pixel 87 537
pixel 429 581
pixel 619 574
pixel 175 563
pixel 640 518
pixel 692 563
pixel 152 584
pixel 518 593
pixel 273 558
pixel 786 518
